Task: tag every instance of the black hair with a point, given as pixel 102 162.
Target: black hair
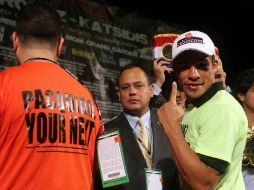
pixel 243 82
pixel 39 22
pixel 131 66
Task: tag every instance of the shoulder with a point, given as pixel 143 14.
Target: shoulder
pixel 11 71
pixel 114 122
pixel 226 113
pixel 153 112
pixel 222 101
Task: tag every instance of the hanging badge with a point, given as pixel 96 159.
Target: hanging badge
pixel 153 179
pixel 111 161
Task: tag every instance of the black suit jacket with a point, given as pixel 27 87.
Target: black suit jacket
pixel 135 162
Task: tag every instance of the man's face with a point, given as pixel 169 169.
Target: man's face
pixel 134 91
pixel 196 76
pixel 248 100
pixel 180 98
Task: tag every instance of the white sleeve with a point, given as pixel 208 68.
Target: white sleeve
pixel 157 89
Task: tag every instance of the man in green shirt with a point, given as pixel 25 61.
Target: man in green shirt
pixel 209 138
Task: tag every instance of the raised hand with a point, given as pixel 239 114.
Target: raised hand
pixel 159 69
pixel 170 114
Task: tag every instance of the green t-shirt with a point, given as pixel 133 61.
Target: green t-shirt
pixel 218 129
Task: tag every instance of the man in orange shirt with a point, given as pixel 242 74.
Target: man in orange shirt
pixel 49 121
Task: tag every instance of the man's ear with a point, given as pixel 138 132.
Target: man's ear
pixel 215 65
pixel 241 96
pixel 15 41
pixel 59 46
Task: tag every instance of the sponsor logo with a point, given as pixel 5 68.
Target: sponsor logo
pixel 189 39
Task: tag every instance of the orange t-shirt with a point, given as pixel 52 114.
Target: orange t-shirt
pixel 49 123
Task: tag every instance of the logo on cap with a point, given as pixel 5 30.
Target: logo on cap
pixel 188 35
pixel 189 39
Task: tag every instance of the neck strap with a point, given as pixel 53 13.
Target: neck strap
pixel 53 61
pixel 41 58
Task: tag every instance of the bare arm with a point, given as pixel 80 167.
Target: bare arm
pixel 159 67
pixel 195 173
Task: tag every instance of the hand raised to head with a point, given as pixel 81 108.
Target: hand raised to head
pixel 159 69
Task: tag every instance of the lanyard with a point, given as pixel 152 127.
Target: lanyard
pixel 53 61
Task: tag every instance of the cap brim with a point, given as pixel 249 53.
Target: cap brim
pixel 188 55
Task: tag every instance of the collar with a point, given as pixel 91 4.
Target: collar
pixel 42 58
pixel 133 119
pixel 55 62
pixel 217 86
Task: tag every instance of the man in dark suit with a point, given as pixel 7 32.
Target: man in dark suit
pixel 135 92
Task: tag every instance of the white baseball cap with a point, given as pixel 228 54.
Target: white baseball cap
pixel 194 42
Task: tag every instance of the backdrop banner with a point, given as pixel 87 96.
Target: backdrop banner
pixel 99 40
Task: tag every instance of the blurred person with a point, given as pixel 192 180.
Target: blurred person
pixel 181 98
pixel 160 73
pixel 135 92
pixel 162 68
pixel 207 139
pixel 49 121
pixel 164 76
pixel 220 75
pixel 244 92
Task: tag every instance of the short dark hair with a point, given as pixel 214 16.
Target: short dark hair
pixel 243 82
pixel 131 66
pixel 38 22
